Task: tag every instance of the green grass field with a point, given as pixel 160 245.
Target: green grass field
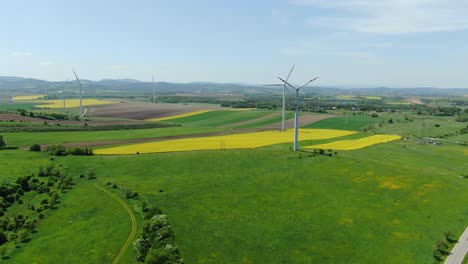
pixel 350 122
pixel 16 105
pixel 88 227
pixel 219 118
pixel 29 138
pixel 385 204
pixel 389 203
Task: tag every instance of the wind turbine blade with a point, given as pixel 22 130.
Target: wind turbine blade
pixel 286 83
pixel 305 84
pixel 76 76
pixel 289 75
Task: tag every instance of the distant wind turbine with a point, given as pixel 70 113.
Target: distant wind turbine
pixel 81 99
pixel 154 95
pixel 283 111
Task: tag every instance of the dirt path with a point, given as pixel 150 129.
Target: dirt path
pixel 131 237
pixel 304 119
pixel 247 122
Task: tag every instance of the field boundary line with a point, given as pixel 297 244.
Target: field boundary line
pixel 131 237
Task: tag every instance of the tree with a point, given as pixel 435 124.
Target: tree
pixel 3 238
pixel 23 236
pixel 35 147
pixel 2 143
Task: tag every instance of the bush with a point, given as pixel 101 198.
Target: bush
pixel 2 143
pixel 374 115
pixel 35 147
pixel 60 150
pixel 90 174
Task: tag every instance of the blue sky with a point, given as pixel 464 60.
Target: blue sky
pixel 399 43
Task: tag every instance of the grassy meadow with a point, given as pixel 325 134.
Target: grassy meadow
pixel 29 138
pixel 387 203
pixel 340 209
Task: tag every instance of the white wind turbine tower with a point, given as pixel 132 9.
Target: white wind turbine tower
pixel 283 110
pixel 154 95
pixel 63 93
pixel 296 115
pixel 81 99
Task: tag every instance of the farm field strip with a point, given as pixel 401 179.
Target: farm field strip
pixel 27 97
pixel 235 141
pixel 70 103
pixel 165 118
pixel 29 138
pixel 356 143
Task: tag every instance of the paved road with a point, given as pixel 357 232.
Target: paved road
pixel 459 251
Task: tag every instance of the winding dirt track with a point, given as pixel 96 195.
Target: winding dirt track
pixel 131 237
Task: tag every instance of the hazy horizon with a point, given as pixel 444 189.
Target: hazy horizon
pixel 389 43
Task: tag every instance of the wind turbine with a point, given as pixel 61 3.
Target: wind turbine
pixel 296 114
pixel 63 92
pixel 283 111
pixel 154 96
pixel 81 99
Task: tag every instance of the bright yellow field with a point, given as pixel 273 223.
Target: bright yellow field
pixel 343 96
pixel 70 103
pixel 373 97
pixel 236 141
pixel 27 97
pixel 357 143
pixel 178 116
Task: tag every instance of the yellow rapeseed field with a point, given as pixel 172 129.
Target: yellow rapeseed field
pixel 70 103
pixel 178 116
pixel 236 141
pixel 27 97
pixel 357 143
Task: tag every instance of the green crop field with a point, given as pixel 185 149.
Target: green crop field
pixel 29 138
pixel 219 118
pixel 350 122
pixel 15 106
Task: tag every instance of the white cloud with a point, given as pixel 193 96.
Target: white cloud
pixel 21 54
pixel 391 16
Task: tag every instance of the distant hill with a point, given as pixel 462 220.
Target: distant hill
pixel 30 85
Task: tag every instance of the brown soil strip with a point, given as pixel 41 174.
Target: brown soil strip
pixel 304 119
pixel 20 118
pixel 143 110
pixel 415 101
pixel 247 122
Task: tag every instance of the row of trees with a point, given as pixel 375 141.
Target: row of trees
pixel 61 150
pixel 46 186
